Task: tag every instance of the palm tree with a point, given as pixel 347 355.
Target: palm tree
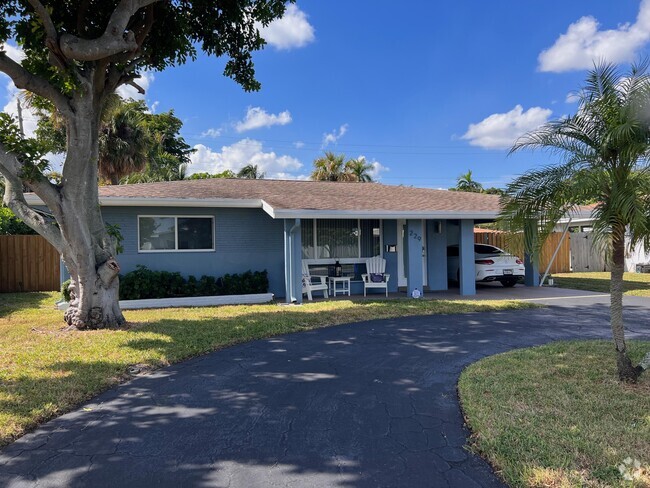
pixel 124 143
pixel 358 170
pixel 330 167
pixel 465 183
pixel 250 172
pixel 606 152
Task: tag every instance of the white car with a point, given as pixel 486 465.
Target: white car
pixel 492 264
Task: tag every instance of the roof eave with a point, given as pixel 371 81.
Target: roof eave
pixel 381 214
pixel 166 202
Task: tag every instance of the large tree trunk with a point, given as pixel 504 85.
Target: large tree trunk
pixel 626 372
pixel 88 250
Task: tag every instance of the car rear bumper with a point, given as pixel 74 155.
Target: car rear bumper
pixel 498 275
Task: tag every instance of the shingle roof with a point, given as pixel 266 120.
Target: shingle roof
pixel 311 195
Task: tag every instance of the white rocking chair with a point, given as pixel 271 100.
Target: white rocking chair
pixel 308 286
pixel 375 266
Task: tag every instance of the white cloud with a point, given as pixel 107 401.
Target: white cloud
pixel 584 43
pixel 257 117
pixel 334 136
pixel 572 98
pixel 291 31
pixel 500 131
pixel 154 106
pixel 13 52
pixel 211 132
pixel 298 144
pixel 145 81
pixel 238 155
pixel 288 176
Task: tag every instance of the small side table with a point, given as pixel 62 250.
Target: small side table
pixel 340 284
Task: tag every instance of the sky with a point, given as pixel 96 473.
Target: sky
pixel 423 90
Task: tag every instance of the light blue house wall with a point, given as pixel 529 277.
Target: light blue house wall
pixel 250 239
pixel 244 239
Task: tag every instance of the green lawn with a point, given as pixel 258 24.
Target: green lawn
pixel 556 416
pixel 635 283
pixel 46 370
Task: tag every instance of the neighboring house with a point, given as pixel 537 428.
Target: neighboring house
pixel 219 226
pixel 580 223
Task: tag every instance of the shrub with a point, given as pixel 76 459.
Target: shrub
pixel 144 283
pixel 65 293
pixel 12 225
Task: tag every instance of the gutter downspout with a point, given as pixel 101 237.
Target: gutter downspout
pixel 557 249
pixel 291 263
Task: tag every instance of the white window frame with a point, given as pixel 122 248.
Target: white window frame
pixel 176 217
pixel 357 260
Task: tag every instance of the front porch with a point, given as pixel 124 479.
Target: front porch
pixel 415 251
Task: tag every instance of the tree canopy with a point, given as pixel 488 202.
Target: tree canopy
pixel 77 53
pixel 334 167
pixel 250 172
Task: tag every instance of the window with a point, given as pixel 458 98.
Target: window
pixel 370 238
pixel 162 233
pixel 337 238
pixel 483 249
pixel 307 238
pixel 329 239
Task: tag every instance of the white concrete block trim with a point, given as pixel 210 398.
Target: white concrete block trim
pixel 212 301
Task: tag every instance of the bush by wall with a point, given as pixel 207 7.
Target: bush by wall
pixel 144 283
pixel 65 293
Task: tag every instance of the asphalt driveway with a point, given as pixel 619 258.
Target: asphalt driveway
pixel 364 405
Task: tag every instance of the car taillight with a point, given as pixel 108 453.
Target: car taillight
pixel 484 261
pixel 519 261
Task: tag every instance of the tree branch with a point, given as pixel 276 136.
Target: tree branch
pixel 55 57
pixel 15 199
pixel 25 80
pixel 115 39
pixel 44 15
pixel 47 191
pixel 136 86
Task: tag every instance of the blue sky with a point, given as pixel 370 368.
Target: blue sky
pixel 424 91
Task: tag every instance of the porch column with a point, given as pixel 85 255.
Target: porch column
pixel 292 261
pixel 414 265
pixel 531 262
pixel 437 254
pixel 466 259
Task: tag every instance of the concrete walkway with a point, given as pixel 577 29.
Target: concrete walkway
pixel 364 405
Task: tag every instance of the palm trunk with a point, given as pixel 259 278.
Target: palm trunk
pixel 626 372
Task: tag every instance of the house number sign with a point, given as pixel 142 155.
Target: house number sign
pixel 415 235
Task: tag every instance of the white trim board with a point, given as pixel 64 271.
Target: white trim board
pixel 212 301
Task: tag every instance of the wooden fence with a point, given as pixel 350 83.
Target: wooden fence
pixel 28 263
pixel 562 263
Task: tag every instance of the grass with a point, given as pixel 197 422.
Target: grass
pixel 556 416
pixel 46 370
pixel 637 284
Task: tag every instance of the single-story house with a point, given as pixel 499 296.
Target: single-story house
pixel 218 226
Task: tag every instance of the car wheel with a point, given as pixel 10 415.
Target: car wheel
pixel 509 283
